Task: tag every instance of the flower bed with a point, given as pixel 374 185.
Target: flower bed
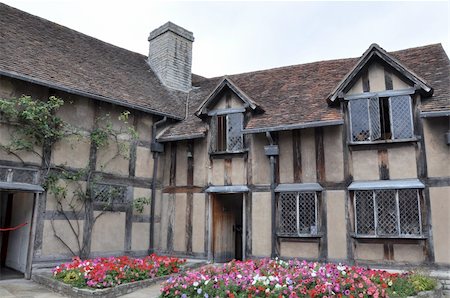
pixel 276 278
pixel 108 272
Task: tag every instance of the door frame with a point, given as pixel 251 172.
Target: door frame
pixel 210 239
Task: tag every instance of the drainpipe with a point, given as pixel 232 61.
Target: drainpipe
pixel 156 148
pixel 272 151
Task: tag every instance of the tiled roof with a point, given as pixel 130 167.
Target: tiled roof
pixel 41 51
pixel 296 95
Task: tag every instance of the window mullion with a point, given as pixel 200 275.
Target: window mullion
pixel 397 205
pixel 419 211
pixel 391 120
pixel 356 214
pixel 298 211
pixel 375 213
pixel 370 121
pixel 315 212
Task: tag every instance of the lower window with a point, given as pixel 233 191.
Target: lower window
pixel 388 212
pixel 297 214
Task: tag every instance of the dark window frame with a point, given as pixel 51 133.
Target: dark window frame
pixel 227 133
pixel 378 119
pixel 378 213
pixel 299 230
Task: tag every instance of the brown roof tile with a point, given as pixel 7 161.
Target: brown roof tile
pixel 46 52
pixel 296 95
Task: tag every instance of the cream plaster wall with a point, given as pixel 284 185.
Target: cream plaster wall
pixel 376 78
pixel 77 111
pixel 260 162
pixel 412 253
pixel 179 235
pixel 108 232
pixel 73 188
pixel 440 220
pixel 334 156
pixel 72 151
pixel 198 223
pixel 51 245
pixel 181 172
pixel 336 224
pixel 286 157
pixel 144 127
pixel 369 252
pixel 261 226
pixel 402 162
pixel 437 151
pixel 201 162
pixel 108 159
pixel 308 152
pixel 300 250
pixel 218 172
pixel 238 171
pixel 365 165
pixel 140 236
pixel 144 162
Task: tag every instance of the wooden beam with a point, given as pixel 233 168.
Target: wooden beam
pixel 227 165
pixel 189 189
pixel 297 155
pixel 171 200
pixel 388 80
pixel 383 164
pixel 320 155
pixel 365 81
pixel 190 196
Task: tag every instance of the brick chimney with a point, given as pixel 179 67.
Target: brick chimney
pixel 170 55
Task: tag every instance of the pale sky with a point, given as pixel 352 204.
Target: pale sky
pixel 234 37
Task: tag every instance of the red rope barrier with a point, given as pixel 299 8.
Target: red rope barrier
pixel 14 228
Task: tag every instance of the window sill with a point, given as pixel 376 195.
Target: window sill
pixel 415 139
pixel 388 237
pixel 227 154
pixel 299 237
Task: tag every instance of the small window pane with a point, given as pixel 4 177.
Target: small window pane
pixel 409 211
pixel 365 221
pixel 386 212
pixel 375 126
pixel 234 132
pixel 359 118
pixel 307 213
pixel 288 214
pixel 401 117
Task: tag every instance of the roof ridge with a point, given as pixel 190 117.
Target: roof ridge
pixel 69 29
pixel 319 61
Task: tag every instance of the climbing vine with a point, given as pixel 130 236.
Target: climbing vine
pixel 36 125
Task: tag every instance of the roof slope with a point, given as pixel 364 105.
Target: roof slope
pixel 38 50
pixel 297 95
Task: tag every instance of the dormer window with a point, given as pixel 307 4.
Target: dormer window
pixel 379 118
pixel 226 133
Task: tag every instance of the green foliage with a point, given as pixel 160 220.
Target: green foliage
pixel 422 282
pixel 140 203
pixel 35 120
pixel 416 282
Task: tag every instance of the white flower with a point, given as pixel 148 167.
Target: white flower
pixel 239 276
pixel 207 282
pixel 195 284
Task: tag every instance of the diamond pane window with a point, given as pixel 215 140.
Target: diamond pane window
pixel 297 214
pixel 110 194
pixel 388 212
pixel 384 118
pixel 226 133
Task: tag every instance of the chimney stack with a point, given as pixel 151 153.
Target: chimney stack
pixel 170 55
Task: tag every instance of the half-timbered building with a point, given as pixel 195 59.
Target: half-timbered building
pixel 340 160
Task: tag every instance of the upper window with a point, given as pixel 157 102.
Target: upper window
pixel 297 214
pixel 388 212
pixel 381 118
pixel 226 133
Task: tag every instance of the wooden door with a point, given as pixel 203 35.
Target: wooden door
pixel 227 227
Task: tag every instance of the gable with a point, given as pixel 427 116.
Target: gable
pixel 376 78
pixel 226 95
pixel 379 65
